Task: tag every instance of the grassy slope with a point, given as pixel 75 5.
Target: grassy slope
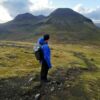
pixel 64 35
pixel 18 60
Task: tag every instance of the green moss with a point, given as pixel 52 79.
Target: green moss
pixel 20 61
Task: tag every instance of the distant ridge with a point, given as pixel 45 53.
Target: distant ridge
pixel 97 24
pixel 63 24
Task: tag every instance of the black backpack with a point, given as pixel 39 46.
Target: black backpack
pixel 38 52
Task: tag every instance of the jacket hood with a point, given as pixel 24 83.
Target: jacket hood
pixel 41 41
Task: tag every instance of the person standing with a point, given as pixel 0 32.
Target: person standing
pixel 46 57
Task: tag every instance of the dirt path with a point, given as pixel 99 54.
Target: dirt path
pixel 59 88
pixel 15 45
pixel 22 89
pixel 63 81
pixel 89 62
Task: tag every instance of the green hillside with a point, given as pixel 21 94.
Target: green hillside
pixel 75 74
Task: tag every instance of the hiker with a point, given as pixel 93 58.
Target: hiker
pixel 45 61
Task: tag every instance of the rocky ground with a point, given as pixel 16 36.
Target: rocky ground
pixel 65 83
pixel 60 87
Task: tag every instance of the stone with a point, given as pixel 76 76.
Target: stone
pixel 31 79
pixel 37 96
pixel 52 89
pixel 68 85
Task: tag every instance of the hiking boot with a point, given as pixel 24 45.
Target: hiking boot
pixel 45 81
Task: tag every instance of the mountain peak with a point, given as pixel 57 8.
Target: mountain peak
pixel 63 11
pixel 40 17
pixel 67 15
pixel 24 16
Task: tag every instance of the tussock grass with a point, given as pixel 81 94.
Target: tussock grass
pixel 18 60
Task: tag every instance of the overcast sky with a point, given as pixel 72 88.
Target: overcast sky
pixel 11 8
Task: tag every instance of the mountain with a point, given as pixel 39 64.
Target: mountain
pixel 25 16
pixel 64 19
pixel 67 19
pixel 63 24
pixel 97 24
pixel 68 25
pixel 41 17
pixel 21 22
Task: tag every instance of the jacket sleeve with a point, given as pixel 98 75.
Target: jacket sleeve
pixel 47 54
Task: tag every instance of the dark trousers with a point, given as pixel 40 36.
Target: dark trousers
pixel 44 70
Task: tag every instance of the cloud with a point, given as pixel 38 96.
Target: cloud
pixel 94 14
pixel 79 8
pixel 12 8
pixel 40 4
pixel 36 7
pixel 16 7
pixel 44 7
pixel 96 21
pixel 1 1
pixel 4 15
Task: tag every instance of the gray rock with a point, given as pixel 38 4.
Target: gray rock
pixel 31 79
pixel 37 96
pixel 68 85
pixel 59 88
pixel 52 89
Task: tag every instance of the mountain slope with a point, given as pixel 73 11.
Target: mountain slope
pixel 64 24
pixel 67 24
pixel 21 22
pixel 67 19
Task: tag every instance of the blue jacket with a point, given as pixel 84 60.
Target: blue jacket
pixel 46 51
pixel 41 41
